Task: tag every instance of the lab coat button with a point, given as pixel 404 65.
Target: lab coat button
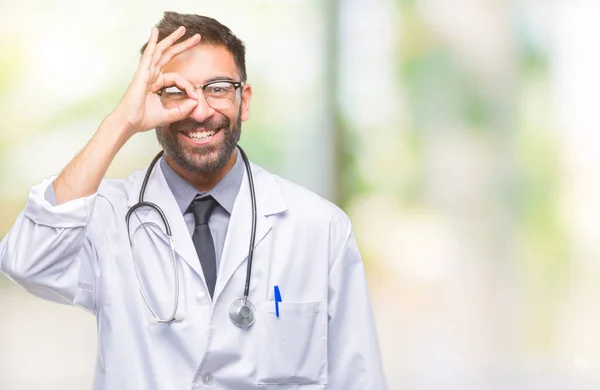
pixel 207 379
pixel 201 298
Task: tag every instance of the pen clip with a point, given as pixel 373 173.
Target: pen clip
pixel 277 300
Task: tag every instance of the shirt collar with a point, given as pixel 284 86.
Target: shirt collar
pixel 224 192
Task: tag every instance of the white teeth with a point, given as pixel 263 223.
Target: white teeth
pixel 201 134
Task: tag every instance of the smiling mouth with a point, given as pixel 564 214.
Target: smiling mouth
pixel 200 135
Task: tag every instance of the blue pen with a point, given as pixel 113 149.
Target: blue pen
pixel 277 300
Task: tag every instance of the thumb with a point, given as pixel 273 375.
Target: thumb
pixel 182 111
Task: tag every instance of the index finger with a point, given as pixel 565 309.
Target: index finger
pixel 167 42
pixel 178 49
pixel 175 79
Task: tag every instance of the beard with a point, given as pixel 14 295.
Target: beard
pixel 200 159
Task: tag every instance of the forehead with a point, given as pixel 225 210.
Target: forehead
pixel 203 62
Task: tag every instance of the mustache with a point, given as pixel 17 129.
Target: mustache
pixel 190 124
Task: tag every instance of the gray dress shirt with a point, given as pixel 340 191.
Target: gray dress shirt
pixel 225 193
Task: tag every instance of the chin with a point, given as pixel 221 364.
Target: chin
pixel 205 161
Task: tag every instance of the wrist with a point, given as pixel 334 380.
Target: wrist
pixel 118 126
pixel 115 131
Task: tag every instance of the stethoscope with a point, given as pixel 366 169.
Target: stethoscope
pixel 241 310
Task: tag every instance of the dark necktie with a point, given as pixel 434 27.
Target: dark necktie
pixel 203 240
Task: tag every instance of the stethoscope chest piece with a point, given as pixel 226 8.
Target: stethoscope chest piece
pixel 242 312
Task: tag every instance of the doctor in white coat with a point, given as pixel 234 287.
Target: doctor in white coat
pixel 164 316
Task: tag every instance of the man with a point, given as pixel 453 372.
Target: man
pixel 164 313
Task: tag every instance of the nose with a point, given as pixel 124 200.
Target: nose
pixel 202 111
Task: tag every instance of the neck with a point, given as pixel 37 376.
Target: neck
pixel 203 182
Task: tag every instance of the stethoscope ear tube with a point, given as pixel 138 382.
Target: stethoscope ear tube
pixel 253 230
pixel 241 310
pixel 163 217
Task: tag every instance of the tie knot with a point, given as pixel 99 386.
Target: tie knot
pixel 202 208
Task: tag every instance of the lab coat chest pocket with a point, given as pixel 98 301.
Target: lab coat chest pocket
pixel 292 348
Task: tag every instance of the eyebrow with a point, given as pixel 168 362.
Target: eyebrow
pixel 217 78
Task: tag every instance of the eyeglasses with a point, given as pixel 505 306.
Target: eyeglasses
pixel 219 94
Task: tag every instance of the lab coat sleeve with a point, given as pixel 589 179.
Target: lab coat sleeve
pixel 47 251
pixel 354 356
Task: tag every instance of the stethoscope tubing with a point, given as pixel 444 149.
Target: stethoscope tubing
pixel 142 203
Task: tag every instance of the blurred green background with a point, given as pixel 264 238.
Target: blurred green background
pixel 459 135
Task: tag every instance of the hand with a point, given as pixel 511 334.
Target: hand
pixel 140 109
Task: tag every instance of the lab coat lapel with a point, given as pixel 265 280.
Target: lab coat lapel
pixel 159 193
pixel 237 242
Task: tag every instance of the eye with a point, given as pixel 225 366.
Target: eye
pixel 221 88
pixel 172 91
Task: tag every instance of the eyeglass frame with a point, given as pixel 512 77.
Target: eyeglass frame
pixel 236 86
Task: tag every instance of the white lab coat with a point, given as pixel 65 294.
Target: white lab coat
pixel 79 253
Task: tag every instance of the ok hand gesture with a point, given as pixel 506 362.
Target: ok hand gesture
pixel 141 108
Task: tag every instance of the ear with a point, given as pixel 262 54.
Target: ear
pixel 246 96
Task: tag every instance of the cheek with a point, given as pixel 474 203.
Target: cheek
pixel 168 131
pixel 229 116
pixel 240 114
